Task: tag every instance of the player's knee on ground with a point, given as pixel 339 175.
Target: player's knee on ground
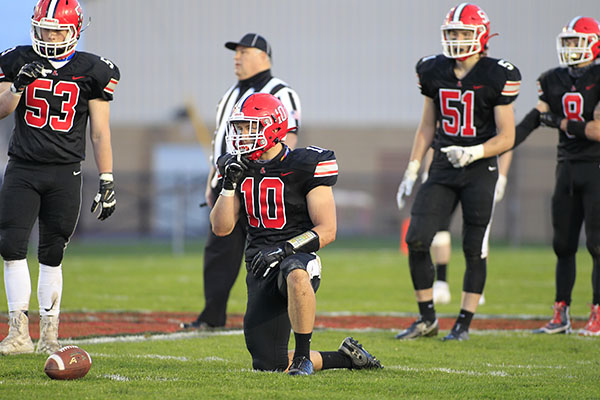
pixel 12 245
pixel 302 261
pixel 475 274
pixel 267 342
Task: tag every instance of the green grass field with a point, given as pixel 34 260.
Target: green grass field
pixel 358 277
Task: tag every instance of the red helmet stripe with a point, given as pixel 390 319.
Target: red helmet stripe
pixel 458 11
pixel 571 25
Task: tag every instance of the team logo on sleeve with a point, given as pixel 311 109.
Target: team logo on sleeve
pixel 326 168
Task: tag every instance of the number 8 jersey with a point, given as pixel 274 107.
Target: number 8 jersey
pixel 465 107
pixel 51 117
pixel 273 194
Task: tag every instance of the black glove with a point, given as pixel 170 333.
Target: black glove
pixel 550 120
pixel 269 258
pixel 27 75
pixel 105 197
pixel 234 172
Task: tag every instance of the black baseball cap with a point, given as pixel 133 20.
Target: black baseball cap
pixel 251 40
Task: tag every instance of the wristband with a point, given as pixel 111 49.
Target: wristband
pixel 306 242
pixel 14 90
pixel 106 176
pixel 227 192
pixel 576 128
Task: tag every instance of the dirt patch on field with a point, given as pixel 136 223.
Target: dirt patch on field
pixel 77 325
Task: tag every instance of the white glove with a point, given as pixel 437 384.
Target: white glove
pixel 460 156
pixel 406 186
pixel 500 187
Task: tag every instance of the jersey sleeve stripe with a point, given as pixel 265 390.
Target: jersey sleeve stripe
pixel 2 76
pixel 511 88
pixel 110 88
pixel 326 168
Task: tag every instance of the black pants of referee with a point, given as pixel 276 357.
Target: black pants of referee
pixel 50 192
pixel 576 202
pixel 222 261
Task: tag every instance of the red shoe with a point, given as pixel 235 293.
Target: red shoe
pixel 592 328
pixel 560 322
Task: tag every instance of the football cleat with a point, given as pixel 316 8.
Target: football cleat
pixel 198 325
pixel 592 328
pixel 441 292
pixel 48 342
pixel 361 358
pixel 301 366
pixel 18 340
pixel 457 333
pixel 418 329
pixel 560 322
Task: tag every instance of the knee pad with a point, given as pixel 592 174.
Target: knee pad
pixel 305 261
pixel 475 274
pixel 12 247
pixel 593 247
pixel 563 249
pixel 441 238
pixel 51 255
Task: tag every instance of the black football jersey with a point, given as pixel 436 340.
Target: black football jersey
pixel 52 115
pixel 574 99
pixel 465 107
pixel 273 194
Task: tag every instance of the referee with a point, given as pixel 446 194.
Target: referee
pixel 223 255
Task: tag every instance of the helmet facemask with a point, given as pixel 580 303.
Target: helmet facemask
pixel 52 49
pixel 580 53
pixel 245 136
pixel 462 48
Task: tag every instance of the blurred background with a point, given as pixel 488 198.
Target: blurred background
pixel 352 64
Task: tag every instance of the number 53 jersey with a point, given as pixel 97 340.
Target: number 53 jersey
pixel 273 194
pixel 465 107
pixel 51 117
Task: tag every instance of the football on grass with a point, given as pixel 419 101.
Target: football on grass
pixel 69 362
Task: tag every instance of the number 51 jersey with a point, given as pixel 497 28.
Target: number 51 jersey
pixel 273 194
pixel 51 117
pixel 465 107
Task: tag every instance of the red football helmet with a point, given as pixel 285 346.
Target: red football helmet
pixel 56 15
pixel 579 41
pixel 257 123
pixel 467 17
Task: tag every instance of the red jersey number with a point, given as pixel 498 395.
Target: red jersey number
pixel 270 210
pixel 572 104
pixel 452 114
pixel 38 108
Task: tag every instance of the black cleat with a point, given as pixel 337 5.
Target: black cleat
pixel 301 366
pixel 361 358
pixel 457 333
pixel 198 325
pixel 418 329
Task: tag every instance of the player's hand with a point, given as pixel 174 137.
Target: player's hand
pixel 550 120
pixel 269 258
pixel 460 156
pixel 105 198
pixel 27 75
pixel 408 181
pixel 234 172
pixel 500 188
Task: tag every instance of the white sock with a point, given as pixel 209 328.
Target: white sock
pixel 49 290
pixel 17 283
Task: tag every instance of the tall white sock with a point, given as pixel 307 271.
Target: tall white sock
pixel 49 290
pixel 17 283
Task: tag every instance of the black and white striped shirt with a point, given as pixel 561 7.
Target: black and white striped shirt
pixel 262 82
